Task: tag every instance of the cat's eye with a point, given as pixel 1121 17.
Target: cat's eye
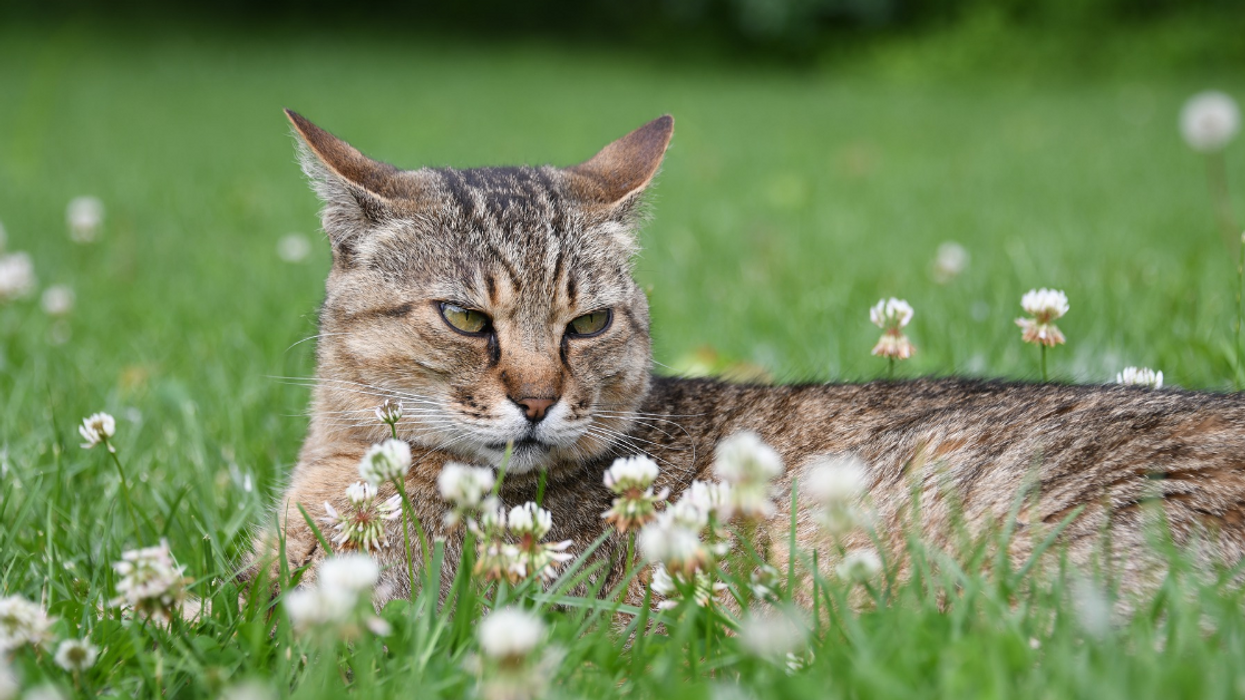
pixel 590 324
pixel 465 320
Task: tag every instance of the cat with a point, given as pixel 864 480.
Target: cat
pixel 498 304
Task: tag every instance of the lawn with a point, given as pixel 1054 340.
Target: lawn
pixel 790 201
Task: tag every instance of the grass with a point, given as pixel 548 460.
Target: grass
pixel 789 203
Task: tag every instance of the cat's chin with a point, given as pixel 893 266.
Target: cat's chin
pixel 525 456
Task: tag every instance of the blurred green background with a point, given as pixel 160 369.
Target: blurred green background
pixel 818 164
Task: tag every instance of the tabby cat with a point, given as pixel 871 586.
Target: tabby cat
pixel 498 305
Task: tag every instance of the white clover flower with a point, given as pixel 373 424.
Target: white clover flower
pixel 836 485
pixel 631 473
pixel 464 487
pixel 798 662
pixel 293 247
pixel 361 523
pixel 835 480
pixel 1046 305
pixel 701 501
pixel 631 479
pixel 1209 120
pixel 57 300
pixel 389 412
pixel 386 462
pixel 333 603
pixel 677 547
pixel 530 520
pixel 21 622
pixel 950 260
pixel 354 573
pixel 891 313
pixel 690 513
pixel 510 634
pixel 701 588
pixel 98 428
pixel 17 276
pixel 319 606
pixel 152 583
pixel 748 465
pixel 84 216
pixel 1140 376
pixel 500 561
pixel 774 635
pixel 76 655
pixel 859 565
pixel 763 582
pixel 530 557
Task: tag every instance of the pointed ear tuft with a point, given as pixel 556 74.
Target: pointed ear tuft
pixel 342 159
pixel 622 170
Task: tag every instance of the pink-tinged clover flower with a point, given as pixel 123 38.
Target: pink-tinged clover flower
pixel 361 523
pixel 631 479
pixel 892 315
pixel 1046 306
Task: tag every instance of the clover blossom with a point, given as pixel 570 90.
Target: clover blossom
pixel 388 461
pixel 293 247
pixel 21 622
pixel 631 479
pixel 748 465
pixel 701 588
pixel 389 412
pixel 152 584
pixel 361 523
pixel 1140 376
pixel 773 635
pixel 859 565
pixel 500 558
pixel 334 604
pixel 1209 120
pixel 836 485
pixel 892 315
pixel 17 276
pixel 84 216
pixel 98 429
pixel 464 487
pixel 76 655
pixel 1046 306
pixel 673 545
pixel 57 300
pixel 514 666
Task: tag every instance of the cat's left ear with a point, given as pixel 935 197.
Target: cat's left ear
pixel 615 177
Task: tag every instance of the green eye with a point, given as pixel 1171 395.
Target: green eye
pixel 464 320
pixel 591 324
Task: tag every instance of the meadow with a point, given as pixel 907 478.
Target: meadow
pixel 790 201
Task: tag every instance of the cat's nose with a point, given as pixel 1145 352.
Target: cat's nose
pixel 534 408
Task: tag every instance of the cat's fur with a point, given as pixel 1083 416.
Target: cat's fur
pixel 536 247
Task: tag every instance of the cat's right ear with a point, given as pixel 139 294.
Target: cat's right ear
pixel 357 192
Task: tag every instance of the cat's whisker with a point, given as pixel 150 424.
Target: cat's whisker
pixel 617 438
pixel 387 392
pixel 314 337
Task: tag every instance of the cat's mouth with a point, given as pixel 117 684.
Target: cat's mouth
pixel 527 443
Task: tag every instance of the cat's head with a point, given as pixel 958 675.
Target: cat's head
pixel 496 303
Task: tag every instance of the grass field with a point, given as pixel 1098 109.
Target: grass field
pixel 789 203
